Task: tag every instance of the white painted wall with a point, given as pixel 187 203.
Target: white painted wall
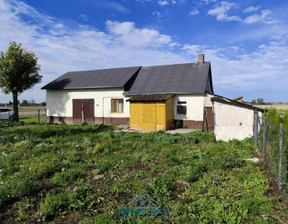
pixel 59 102
pixel 195 104
pixel 233 122
pixel 207 100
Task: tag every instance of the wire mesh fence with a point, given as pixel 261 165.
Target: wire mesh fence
pixel 272 142
pixel 31 116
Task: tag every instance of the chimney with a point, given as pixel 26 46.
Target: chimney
pixel 200 58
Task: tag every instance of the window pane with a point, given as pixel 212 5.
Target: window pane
pixel 114 105
pixel 120 106
pixel 181 110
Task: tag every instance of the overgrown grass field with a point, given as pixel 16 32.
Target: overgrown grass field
pixel 86 174
pixel 281 107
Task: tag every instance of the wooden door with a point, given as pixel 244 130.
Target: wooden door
pixel 136 112
pixel 208 122
pixel 149 117
pixel 83 111
pixel 160 117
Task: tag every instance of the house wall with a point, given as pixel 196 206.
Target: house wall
pixel 207 100
pixel 59 105
pixel 194 117
pixel 233 122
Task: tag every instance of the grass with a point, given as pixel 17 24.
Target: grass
pixel 28 120
pixel 283 107
pixel 86 174
pixel 27 108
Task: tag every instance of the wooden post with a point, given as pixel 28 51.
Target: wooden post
pixel 38 116
pixel 256 128
pixel 8 118
pixel 280 152
pixel 264 135
pixel 45 116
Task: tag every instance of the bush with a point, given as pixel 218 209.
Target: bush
pixel 194 172
pixel 59 204
pixel 17 186
pixel 67 177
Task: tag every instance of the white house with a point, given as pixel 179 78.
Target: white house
pixel 104 96
pixel 149 98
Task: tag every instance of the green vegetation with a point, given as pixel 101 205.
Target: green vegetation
pixel 86 174
pixel 18 72
pixel 28 108
pixel 272 146
pixel 281 107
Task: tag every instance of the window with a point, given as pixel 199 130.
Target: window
pixel 181 108
pixel 117 106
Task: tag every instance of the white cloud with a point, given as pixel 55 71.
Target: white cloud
pixel 194 12
pixel 163 3
pixel 263 18
pixel 262 69
pixel 173 2
pixel 252 9
pixel 158 15
pixel 129 35
pixel 112 5
pixel 67 47
pixel 83 17
pixel 221 10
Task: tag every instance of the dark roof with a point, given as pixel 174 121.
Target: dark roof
pixel 149 98
pixel 106 78
pixel 226 100
pixel 192 78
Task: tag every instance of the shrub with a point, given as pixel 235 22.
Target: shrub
pixel 16 186
pixel 67 177
pixel 194 172
pixel 59 204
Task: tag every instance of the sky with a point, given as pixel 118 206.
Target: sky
pixel 245 41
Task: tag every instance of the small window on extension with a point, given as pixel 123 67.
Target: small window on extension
pixel 117 105
pixel 181 108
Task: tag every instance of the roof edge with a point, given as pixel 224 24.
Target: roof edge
pixel 228 101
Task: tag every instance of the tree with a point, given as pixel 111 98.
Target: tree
pixel 253 102
pixel 260 101
pixel 24 101
pixel 18 72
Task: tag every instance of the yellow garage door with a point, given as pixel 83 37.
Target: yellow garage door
pixel 136 111
pixel 160 117
pixel 148 116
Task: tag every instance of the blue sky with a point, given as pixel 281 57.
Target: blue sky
pixel 246 41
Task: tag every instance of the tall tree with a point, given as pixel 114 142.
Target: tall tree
pixel 18 72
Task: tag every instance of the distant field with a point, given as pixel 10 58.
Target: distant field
pixel 27 108
pixel 279 107
pixel 29 111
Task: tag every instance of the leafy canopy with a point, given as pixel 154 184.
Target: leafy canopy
pixel 18 69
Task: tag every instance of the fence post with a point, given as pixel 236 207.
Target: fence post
pixel 38 116
pixel 45 116
pixel 280 151
pixel 264 135
pixel 256 128
pixel 8 119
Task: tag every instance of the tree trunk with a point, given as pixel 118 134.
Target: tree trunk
pixel 15 106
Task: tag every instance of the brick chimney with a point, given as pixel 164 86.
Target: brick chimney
pixel 200 58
